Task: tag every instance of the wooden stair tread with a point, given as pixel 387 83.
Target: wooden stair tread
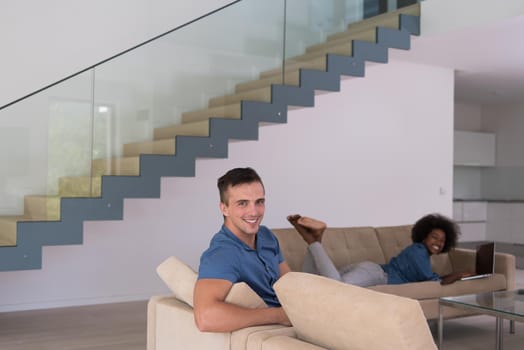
pixel 120 166
pixel 369 35
pixel 226 111
pixel 80 186
pixel 262 94
pixel 291 78
pixel 198 128
pixel 317 63
pixel 42 207
pixel 165 146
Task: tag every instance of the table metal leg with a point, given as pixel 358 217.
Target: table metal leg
pixel 440 325
pixel 499 334
pixel 512 326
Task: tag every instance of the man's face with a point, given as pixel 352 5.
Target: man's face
pixel 244 209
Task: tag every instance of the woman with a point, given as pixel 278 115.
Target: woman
pixel 431 234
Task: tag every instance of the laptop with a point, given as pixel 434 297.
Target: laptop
pixel 484 261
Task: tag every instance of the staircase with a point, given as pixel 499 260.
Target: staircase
pixel 58 220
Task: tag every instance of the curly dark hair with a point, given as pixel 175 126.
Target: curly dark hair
pixel 428 223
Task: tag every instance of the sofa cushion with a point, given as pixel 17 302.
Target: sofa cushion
pixel 332 314
pixel 352 245
pixel 181 279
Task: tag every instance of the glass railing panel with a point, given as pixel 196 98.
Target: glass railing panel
pixel 213 62
pixel 46 138
pixel 317 27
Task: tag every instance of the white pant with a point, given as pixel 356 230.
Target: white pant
pixel 364 274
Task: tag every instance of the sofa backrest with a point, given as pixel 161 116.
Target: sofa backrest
pixel 344 245
pixel 350 245
pixel 292 246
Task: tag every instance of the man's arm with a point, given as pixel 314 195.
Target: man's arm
pixel 283 268
pixel 213 314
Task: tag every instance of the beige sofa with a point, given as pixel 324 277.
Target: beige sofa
pixel 379 244
pixel 325 314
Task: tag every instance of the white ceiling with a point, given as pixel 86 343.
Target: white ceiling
pixel 489 60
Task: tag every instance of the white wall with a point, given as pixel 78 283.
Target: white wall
pixel 468 117
pixel 377 153
pixel 44 41
pixel 447 15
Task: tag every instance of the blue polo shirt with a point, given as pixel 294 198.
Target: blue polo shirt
pixel 229 258
pixel 413 264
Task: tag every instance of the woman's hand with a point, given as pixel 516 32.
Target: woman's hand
pixel 455 276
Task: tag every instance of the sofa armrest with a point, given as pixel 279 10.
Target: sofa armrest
pixel 173 327
pixel 506 265
pixel 464 260
pixel 151 320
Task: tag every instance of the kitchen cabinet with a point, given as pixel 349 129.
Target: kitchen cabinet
pixel 474 148
pixel 471 217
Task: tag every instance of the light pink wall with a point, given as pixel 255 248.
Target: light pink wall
pixel 377 153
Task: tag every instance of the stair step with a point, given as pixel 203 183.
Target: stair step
pixel 200 128
pixel 369 34
pixel 230 111
pixel 292 65
pixel 79 186
pixel 291 78
pixel 166 146
pixel 8 230
pixel 45 208
pixel 387 20
pixel 261 94
pixel 317 56
pixel 127 166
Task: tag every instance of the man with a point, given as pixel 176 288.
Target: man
pixel 242 251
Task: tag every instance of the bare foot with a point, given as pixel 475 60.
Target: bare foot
pixel 310 229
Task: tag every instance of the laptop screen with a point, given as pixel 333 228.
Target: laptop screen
pixel 485 258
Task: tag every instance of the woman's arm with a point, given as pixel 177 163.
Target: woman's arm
pixel 453 277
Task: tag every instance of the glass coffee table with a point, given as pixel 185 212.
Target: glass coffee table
pixel 503 305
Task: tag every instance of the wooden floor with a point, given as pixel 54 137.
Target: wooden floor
pixel 100 327
pixel 123 326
